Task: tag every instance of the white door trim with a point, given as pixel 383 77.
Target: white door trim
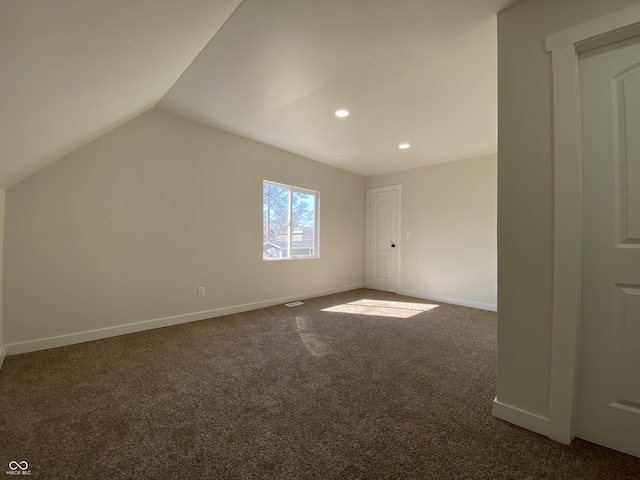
pixel 369 191
pixel 564 48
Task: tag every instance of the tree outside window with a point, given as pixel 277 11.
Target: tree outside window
pixel 289 222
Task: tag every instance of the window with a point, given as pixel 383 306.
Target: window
pixel 289 222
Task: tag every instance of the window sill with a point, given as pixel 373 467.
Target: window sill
pixel 279 259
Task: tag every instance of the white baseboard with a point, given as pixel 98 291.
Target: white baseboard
pixel 521 418
pixel 91 335
pixel 454 301
pixel 3 354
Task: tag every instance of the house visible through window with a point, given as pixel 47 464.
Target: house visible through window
pixel 289 222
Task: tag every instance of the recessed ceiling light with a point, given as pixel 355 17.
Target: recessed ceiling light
pixel 404 146
pixel 342 113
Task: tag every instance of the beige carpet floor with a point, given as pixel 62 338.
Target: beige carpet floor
pixel 358 385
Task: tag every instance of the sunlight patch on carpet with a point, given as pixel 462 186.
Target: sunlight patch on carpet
pixel 312 341
pixel 381 308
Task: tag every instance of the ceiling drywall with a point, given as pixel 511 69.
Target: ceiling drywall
pixel 415 71
pixel 71 70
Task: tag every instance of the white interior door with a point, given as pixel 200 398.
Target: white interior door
pixel 382 248
pixel 608 400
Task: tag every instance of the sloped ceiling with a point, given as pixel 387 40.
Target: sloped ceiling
pixel 71 70
pixel 416 71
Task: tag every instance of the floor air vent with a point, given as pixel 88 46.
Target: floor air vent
pixel 294 304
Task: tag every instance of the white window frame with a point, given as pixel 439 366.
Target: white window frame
pixel 290 234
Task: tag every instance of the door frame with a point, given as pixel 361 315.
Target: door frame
pixel 565 47
pixel 398 189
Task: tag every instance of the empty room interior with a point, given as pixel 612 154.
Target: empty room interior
pixel 320 239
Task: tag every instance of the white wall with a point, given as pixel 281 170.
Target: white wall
pixel 2 202
pixel 125 228
pixel 525 201
pixel 450 211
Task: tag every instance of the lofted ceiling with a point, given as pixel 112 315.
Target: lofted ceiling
pixel 416 71
pixel 72 70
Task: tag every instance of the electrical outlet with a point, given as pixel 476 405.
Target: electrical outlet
pixel 200 292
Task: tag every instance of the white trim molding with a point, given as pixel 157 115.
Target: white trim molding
pixel 453 301
pixel 3 354
pixel 565 47
pixel 529 420
pixel 98 334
